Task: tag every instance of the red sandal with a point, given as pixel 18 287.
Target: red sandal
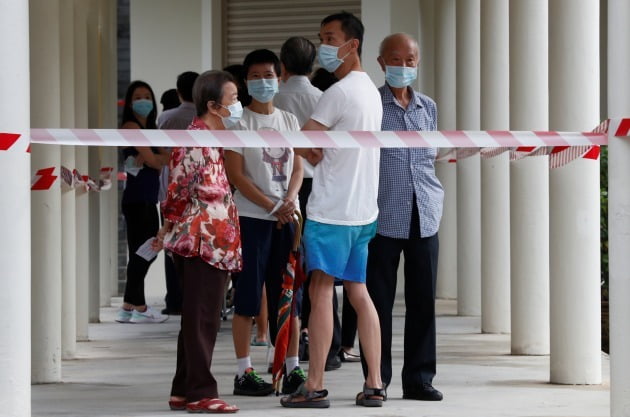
pixel 177 405
pixel 212 406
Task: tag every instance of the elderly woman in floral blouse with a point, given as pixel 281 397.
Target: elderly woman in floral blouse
pixel 202 232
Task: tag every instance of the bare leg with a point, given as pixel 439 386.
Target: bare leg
pixel 261 319
pixel 369 330
pixel 241 329
pixel 294 341
pixel 320 328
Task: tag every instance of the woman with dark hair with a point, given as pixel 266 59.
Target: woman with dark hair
pixel 203 233
pixel 139 201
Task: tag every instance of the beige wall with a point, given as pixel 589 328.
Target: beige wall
pixel 170 37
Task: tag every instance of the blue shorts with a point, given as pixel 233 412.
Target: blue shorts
pixel 337 250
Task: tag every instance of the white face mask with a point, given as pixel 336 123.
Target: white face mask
pixel 236 111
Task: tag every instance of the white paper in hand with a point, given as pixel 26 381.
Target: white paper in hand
pixel 146 251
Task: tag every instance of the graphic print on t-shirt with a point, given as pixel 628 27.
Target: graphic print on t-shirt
pixel 277 158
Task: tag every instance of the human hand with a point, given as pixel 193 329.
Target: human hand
pixel 314 156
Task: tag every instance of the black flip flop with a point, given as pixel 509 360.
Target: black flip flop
pixel 311 399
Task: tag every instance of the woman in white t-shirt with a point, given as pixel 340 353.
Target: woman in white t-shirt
pixel 267 182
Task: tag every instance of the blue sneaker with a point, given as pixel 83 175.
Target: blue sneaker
pixel 124 316
pixel 147 316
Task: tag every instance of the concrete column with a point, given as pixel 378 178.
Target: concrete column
pixel 94 282
pixel 68 197
pixel 495 65
pixel 618 215
pixel 83 248
pixel 375 16
pixel 529 250
pixel 495 244
pixel 468 170
pixel 495 172
pixel 82 198
pixel 468 236
pixel 68 261
pixel 105 235
pixel 426 39
pixel 15 212
pixel 574 197
pixel 95 120
pixel 445 79
pixel 447 260
pixel 529 110
pixel 46 204
pixel 576 356
pixel 468 65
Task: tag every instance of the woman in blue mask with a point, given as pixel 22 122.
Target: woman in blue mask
pixel 139 201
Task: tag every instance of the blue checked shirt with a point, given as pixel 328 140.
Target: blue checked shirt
pixel 405 171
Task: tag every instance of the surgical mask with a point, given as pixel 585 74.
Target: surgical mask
pixel 236 111
pixel 327 55
pixel 399 77
pixel 142 107
pixel 263 89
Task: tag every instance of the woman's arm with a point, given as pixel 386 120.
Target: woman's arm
pixel 289 206
pixel 235 169
pixel 156 161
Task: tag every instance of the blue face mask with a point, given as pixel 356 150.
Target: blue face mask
pixel 236 111
pixel 263 89
pixel 400 77
pixel 327 55
pixel 142 107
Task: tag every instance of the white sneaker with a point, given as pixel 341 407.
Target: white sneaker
pixel 147 316
pixel 123 316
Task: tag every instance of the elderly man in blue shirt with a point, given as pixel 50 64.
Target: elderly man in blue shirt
pixel 410 207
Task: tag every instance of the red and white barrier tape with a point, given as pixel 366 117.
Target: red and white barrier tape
pixel 45 178
pixel 305 139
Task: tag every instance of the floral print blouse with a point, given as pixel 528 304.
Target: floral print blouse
pixel 199 204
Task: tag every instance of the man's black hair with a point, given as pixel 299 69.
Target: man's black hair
pixel 298 54
pixel 350 25
pixel 261 56
pixel 185 82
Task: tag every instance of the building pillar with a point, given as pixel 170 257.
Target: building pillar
pixel 618 201
pixel 574 197
pixel 468 68
pixel 82 198
pixel 15 212
pixel 68 197
pixel 426 40
pixel 46 203
pixel 529 179
pixel 447 260
pixel 468 236
pixel 495 171
pixel 445 79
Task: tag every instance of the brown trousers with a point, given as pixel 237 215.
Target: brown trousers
pixel 203 289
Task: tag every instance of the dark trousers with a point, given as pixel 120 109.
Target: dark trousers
pixel 348 322
pixel 173 298
pixel 142 222
pixel 335 346
pixel 202 289
pixel 421 256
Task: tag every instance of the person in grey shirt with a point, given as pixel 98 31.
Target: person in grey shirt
pixel 181 116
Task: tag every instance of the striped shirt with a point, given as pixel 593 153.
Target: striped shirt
pixel 408 172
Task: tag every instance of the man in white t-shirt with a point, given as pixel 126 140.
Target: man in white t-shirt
pixel 342 211
pixel 267 182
